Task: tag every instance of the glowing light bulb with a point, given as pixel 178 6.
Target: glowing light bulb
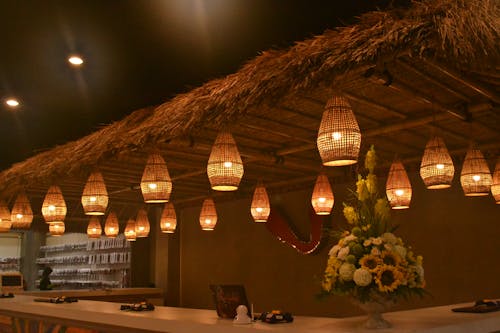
pixel 322 199
pixel 208 221
pixel 112 229
pixel 93 199
pixel 167 225
pixel 12 102
pixel 476 178
pixel 152 186
pixel 400 192
pixel 141 228
pixel 336 135
pixel 94 229
pixel 440 166
pixel 259 209
pixel 228 164
pixel 52 208
pixel 19 216
pixel 75 60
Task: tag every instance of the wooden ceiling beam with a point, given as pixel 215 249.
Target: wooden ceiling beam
pixel 469 82
pixel 368 102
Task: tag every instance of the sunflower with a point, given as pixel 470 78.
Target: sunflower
pixel 370 262
pixel 388 278
pixel 390 258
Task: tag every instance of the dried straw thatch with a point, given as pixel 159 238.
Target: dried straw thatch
pixel 464 33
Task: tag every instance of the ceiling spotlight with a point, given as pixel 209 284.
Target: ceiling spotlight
pixel 75 60
pixel 12 102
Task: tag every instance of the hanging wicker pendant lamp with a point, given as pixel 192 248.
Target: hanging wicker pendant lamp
pixel 5 223
pixel 260 207
pixel 398 187
pixel 436 168
pixel 56 228
pixel 475 177
pixel 208 215
pixel 129 231
pixel 95 195
pixel 168 220
pixel 142 224
pixel 322 198
pixel 111 226
pixel 21 214
pixel 495 186
pixel 94 229
pixel 156 185
pixel 54 207
pixel 339 137
pixel 225 167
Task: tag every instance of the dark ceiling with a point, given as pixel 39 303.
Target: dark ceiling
pixel 137 53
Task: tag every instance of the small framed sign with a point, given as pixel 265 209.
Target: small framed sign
pixel 227 297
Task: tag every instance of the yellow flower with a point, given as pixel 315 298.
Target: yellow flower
pixel 361 189
pixel 370 262
pixel 351 215
pixel 371 183
pixel 390 258
pixel 326 284
pixel 388 278
pixel 382 209
pixel 371 159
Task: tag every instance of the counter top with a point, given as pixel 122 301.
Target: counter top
pixel 95 314
pixel 92 292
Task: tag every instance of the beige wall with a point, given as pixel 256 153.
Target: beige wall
pixel 457 236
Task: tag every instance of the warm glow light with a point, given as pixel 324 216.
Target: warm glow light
pixel 476 178
pixel 208 221
pixel 93 199
pixel 228 164
pixel 399 192
pixel 259 209
pixel 52 208
pixel 322 199
pixel 336 135
pixel 440 166
pixel 94 229
pixel 152 186
pixel 111 229
pixel 167 225
pixel 19 216
pixel 75 60
pixel 12 102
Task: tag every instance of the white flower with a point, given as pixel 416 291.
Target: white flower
pixel 389 237
pixel 388 247
pixel 334 250
pixel 401 250
pixel 375 251
pixel 350 238
pixel 362 277
pixel 346 271
pixel 343 252
pixel 377 241
pixel 367 242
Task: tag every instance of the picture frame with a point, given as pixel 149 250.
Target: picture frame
pixel 227 297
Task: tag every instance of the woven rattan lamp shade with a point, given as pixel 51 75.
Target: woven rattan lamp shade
pixel 111 226
pixel 156 185
pixel 339 137
pixel 398 187
pixel 260 207
pixel 224 168
pixel 129 231
pixel 95 195
pixel 322 197
pixel 495 186
pixel 56 228
pixel 54 206
pixel 5 223
pixel 475 176
pixel 208 215
pixel 168 219
pixel 436 168
pixel 21 214
pixel 142 224
pixel 94 229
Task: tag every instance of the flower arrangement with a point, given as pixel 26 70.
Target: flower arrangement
pixel 369 262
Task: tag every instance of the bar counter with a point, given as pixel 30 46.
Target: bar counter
pixel 122 295
pixel 106 317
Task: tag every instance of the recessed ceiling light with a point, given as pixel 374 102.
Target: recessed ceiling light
pixel 75 60
pixel 12 102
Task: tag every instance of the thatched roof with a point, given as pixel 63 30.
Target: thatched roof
pixel 406 73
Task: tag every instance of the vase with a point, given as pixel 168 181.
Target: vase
pixel 374 310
